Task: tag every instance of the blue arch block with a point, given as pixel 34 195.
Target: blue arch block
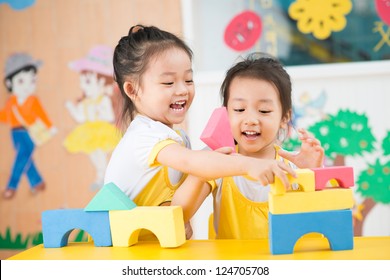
pixel 286 229
pixel 58 224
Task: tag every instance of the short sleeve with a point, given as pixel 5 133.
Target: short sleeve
pixel 150 137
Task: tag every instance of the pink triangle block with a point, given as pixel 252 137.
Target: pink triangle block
pixel 217 132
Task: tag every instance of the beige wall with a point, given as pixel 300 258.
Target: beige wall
pixel 58 32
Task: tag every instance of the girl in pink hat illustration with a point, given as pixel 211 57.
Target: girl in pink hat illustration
pixel 21 111
pixel 95 134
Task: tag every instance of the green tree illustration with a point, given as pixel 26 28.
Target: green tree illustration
pixel 291 144
pixel 386 144
pixel 374 182
pixel 344 134
pixel 374 185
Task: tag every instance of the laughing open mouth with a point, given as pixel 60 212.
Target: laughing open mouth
pixel 178 105
pixel 250 134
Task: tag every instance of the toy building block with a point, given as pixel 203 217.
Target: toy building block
pixel 304 180
pixel 217 132
pixel 58 224
pixel 165 222
pixel 110 197
pixel 286 229
pixel 297 202
pixel 342 174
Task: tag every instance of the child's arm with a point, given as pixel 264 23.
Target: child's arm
pixel 193 191
pixel 311 154
pixel 212 165
pixel 190 196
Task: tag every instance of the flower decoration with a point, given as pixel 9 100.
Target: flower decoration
pixel 320 17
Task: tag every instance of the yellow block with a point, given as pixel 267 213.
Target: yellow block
pixel 305 181
pixel 166 222
pixel 299 202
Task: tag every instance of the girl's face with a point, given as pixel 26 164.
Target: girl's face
pixel 24 83
pixel 166 90
pixel 255 114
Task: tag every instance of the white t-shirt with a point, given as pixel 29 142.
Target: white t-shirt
pixel 130 167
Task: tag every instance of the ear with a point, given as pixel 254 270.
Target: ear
pixel 285 120
pixel 129 89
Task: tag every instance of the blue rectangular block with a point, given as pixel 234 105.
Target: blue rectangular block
pixel 286 229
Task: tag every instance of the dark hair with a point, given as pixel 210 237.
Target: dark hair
pixel 24 69
pixel 133 54
pixel 263 67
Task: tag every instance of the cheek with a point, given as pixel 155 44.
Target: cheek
pixel 235 125
pixel 191 96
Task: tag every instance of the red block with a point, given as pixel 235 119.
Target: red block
pixel 342 174
pixel 217 132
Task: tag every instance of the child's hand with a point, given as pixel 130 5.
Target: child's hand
pixel 188 230
pixel 311 154
pixel 265 171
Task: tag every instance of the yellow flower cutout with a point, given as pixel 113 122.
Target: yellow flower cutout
pixel 320 17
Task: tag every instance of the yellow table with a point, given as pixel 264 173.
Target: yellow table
pixel 365 248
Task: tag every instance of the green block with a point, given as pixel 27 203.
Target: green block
pixel 110 197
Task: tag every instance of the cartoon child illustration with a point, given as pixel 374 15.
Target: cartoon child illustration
pixel 96 135
pixel 22 110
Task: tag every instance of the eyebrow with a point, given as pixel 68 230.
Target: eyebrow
pixel 260 100
pixel 174 73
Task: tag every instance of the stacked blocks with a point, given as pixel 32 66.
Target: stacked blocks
pixel 293 214
pixel 217 132
pixel 112 219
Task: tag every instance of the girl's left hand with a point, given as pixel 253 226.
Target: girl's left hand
pixel 311 154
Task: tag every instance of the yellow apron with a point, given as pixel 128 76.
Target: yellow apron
pixel 241 218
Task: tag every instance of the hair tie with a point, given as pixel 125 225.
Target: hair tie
pixel 135 29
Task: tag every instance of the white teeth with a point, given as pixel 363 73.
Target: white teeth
pixel 180 102
pixel 250 132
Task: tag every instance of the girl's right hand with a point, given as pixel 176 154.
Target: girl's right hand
pixel 265 170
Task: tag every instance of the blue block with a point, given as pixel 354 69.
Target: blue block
pixel 286 229
pixel 58 224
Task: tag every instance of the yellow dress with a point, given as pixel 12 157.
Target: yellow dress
pixel 92 135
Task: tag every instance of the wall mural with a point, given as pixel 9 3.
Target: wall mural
pixel 95 135
pixel 30 125
pixel 348 134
